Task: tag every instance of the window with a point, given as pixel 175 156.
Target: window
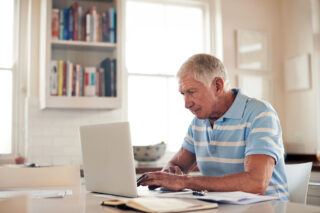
pixel 7 72
pixel 160 36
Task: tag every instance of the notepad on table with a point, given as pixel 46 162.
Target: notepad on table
pixel 156 204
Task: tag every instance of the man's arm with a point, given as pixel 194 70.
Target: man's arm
pixel 182 162
pixel 255 178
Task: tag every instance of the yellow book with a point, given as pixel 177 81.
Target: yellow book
pixel 161 205
pixel 60 77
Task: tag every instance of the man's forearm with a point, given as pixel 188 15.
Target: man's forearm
pixel 243 181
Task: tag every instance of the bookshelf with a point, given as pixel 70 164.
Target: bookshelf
pixel 86 53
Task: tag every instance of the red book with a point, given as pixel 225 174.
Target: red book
pixel 64 82
pixel 75 20
pixel 55 24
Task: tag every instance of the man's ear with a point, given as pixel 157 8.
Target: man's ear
pixel 218 84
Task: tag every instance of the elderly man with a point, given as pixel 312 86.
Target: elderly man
pixel 235 141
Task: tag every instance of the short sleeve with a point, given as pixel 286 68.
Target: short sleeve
pixel 188 142
pixel 265 136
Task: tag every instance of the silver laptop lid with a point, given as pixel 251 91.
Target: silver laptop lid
pixel 108 159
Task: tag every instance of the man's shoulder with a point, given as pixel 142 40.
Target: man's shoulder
pixel 255 106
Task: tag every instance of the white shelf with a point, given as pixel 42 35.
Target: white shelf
pixel 82 44
pixel 81 52
pixel 82 102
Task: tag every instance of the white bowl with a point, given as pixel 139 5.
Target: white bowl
pixel 149 153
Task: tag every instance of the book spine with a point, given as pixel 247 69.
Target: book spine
pixel 61 27
pixel 102 87
pixel 107 77
pixel 80 23
pixel 55 24
pixel 74 80
pixel 97 82
pixel 77 80
pixel 54 78
pixel 65 76
pixel 70 24
pixel 60 77
pixel 112 25
pixel 95 25
pixel 89 88
pixel 91 23
pixel 65 23
pixel 88 27
pixel 82 81
pixel 70 79
pixel 103 27
pixel 114 78
pixel 75 20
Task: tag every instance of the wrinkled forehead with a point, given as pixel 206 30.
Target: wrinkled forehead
pixel 187 82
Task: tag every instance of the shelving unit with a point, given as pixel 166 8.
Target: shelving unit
pixel 80 52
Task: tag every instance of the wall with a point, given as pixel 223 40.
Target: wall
pixel 263 15
pixel 301 107
pixel 52 136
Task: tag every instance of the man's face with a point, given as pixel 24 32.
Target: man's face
pixel 199 99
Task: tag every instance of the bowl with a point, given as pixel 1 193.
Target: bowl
pixel 149 153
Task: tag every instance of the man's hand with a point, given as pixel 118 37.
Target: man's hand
pixel 170 181
pixel 173 170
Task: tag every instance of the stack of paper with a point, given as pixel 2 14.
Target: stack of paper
pixel 225 197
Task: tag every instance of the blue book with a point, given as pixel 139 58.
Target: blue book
pixel 106 64
pixel 71 24
pixel 114 78
pixel 65 23
pixel 112 29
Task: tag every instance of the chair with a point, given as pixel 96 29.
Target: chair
pixel 298 176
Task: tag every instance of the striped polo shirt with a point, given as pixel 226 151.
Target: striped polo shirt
pixel 249 127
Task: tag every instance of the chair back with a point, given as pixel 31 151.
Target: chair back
pixel 298 176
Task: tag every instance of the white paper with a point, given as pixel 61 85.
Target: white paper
pixel 37 193
pixel 225 197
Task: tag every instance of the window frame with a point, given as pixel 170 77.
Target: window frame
pixel 208 42
pixel 8 158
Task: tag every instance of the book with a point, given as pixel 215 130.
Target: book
pixel 55 24
pixel 155 204
pixel 113 85
pixel 106 64
pixel 75 8
pixel 60 77
pixel 54 78
pixel 65 23
pixel 70 24
pixel 89 86
pixel 61 22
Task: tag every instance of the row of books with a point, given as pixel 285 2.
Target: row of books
pixel 69 79
pixel 74 24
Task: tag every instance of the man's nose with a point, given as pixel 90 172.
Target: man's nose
pixel 187 102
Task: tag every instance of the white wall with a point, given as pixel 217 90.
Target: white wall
pixel 301 107
pixel 262 15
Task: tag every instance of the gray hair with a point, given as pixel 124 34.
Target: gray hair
pixel 204 68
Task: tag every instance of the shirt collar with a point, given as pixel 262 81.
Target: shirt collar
pixel 237 108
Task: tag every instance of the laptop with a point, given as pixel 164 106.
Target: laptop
pixel 108 159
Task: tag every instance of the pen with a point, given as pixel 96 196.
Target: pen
pixel 199 193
